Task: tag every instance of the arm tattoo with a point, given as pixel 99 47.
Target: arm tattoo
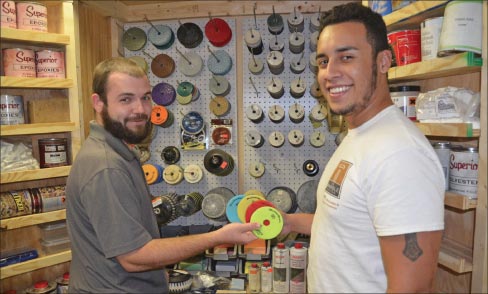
pixel 412 250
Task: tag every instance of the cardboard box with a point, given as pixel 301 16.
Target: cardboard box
pixel 48 110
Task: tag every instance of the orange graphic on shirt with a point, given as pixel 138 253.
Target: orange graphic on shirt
pixel 334 186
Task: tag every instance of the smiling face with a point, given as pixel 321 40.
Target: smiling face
pixel 352 80
pixel 126 114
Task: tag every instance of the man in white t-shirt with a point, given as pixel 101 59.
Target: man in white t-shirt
pixel 380 201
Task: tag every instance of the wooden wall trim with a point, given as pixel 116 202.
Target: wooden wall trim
pixel 195 9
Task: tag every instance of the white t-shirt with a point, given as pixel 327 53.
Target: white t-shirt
pixel 384 179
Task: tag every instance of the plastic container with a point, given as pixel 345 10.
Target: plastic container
pixel 54 231
pixel 54 246
pixel 405 97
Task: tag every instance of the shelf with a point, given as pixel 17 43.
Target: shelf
pixel 35 174
pixel 461 130
pixel 40 128
pixel 459 201
pixel 457 64
pixel 43 83
pixel 412 15
pixel 34 264
pixel 456 257
pixel 9 34
pixel 32 219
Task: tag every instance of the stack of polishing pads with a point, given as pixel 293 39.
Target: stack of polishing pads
pixel 256 209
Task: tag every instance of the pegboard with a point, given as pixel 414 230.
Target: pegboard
pixel 283 165
pixel 170 136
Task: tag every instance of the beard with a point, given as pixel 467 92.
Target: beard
pixel 120 131
pixel 366 98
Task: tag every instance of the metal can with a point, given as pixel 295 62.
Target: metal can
pixel 42 287
pixel 52 197
pixel 11 110
pixel 31 16
pixel 53 152
pixel 18 62
pixel 15 203
pixel 443 150
pixel 50 64
pixel 463 171
pixel 405 97
pixel 63 283
pixel 8 14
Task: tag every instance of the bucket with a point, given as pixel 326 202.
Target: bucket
pixel 430 31
pixel 31 16
pixel 50 64
pixel 8 14
pixel 11 110
pixel 53 152
pixel 18 62
pixel 461 27
pixel 406 46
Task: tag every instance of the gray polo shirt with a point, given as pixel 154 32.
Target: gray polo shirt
pixel 109 213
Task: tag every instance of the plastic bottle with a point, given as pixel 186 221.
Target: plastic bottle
pixel 266 277
pixel 254 278
pixel 281 269
pixel 298 269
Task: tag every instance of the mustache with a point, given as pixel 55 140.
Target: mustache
pixel 138 117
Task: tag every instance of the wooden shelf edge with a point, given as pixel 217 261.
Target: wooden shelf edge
pixel 456 257
pixel 456 64
pixel 33 83
pixel 459 201
pixel 34 264
pixel 10 34
pixel 32 219
pixel 35 174
pixel 39 128
pixel 461 130
pixel 413 9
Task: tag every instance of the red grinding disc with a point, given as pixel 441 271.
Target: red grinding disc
pixel 254 206
pixel 218 32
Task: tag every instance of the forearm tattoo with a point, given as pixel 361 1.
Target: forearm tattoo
pixel 412 250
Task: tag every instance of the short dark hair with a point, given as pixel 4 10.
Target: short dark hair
pixel 376 32
pixel 115 64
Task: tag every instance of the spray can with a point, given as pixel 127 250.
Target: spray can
pixel 254 278
pixel 266 277
pixel 298 269
pixel 281 269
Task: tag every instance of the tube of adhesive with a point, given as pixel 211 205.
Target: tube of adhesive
pixel 281 269
pixel 298 269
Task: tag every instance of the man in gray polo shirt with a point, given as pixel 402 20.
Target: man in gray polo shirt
pixel 115 240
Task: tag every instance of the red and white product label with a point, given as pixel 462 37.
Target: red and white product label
pixel 19 62
pixel 31 16
pixel 463 172
pixel 50 64
pixel 8 14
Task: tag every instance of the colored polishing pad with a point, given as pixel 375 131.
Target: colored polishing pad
pixel 254 206
pixel 271 222
pixel 244 204
pixel 231 209
pixel 218 32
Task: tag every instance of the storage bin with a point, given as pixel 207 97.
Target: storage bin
pixel 51 247
pixel 54 231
